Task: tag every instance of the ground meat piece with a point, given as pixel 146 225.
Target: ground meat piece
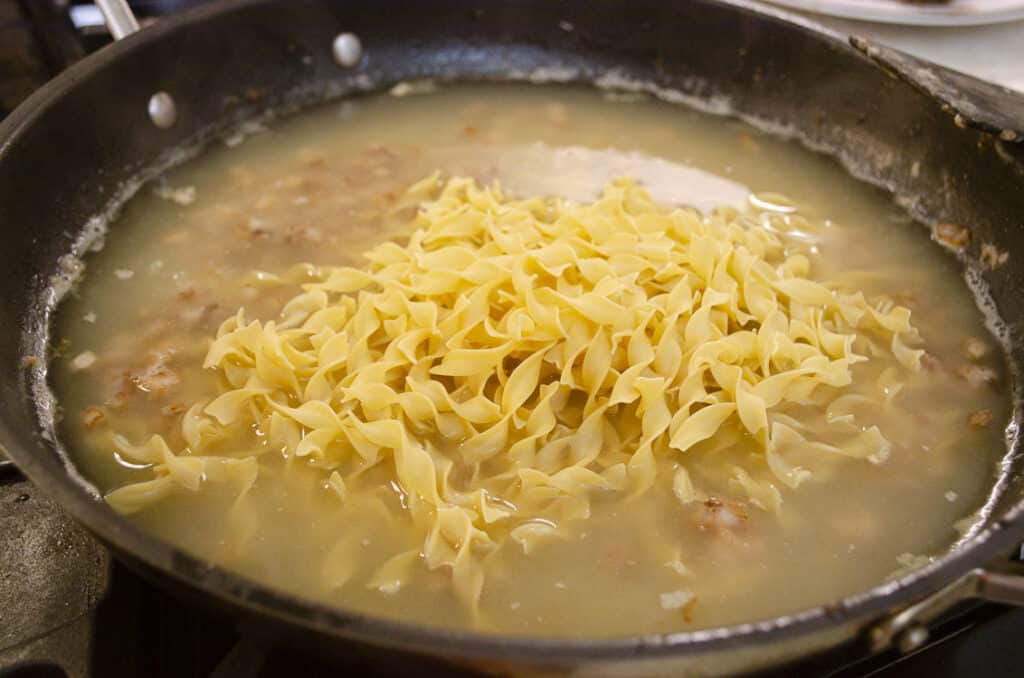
pixel 172 410
pixel 718 516
pixel 682 600
pixel 975 348
pixel 687 610
pixel 380 152
pixel 980 419
pixel 977 375
pixel 723 522
pixel 930 362
pixel 158 375
pixel 92 415
pixel 184 195
pixel 992 257
pixel 303 235
pixel 312 159
pixel 952 235
pixel 61 348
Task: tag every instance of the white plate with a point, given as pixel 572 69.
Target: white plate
pixel 952 13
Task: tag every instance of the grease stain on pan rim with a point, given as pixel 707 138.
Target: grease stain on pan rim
pixel 338 621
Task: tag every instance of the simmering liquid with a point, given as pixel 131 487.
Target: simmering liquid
pixel 211 235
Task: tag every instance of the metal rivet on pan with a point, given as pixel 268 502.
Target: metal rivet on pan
pixel 912 639
pixel 162 110
pixel 347 49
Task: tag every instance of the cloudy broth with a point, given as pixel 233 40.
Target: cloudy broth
pixel 202 241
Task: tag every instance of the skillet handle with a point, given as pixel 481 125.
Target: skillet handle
pixel 119 17
pixel 972 102
pixel 121 22
pixel 907 630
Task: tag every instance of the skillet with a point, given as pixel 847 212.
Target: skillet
pixel 945 145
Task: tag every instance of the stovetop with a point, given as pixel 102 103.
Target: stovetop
pixel 68 610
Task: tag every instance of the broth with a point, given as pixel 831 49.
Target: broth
pixel 321 188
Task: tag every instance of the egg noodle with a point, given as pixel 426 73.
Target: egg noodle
pixel 516 358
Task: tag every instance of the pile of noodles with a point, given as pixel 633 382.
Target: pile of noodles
pixel 516 357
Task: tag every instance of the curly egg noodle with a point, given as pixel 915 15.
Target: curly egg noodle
pixel 517 358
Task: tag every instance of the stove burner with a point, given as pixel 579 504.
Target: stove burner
pixel 52 576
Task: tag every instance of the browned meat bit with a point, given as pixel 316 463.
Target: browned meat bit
pixel 302 235
pixel 952 235
pixel 172 410
pixel 722 517
pixel 977 375
pixel 157 376
pixel 687 610
pixel 254 228
pixel 992 257
pixel 380 152
pixel 312 158
pixel 682 600
pixel 61 348
pixel 92 415
pixel 975 348
pixel 930 362
pixel 980 419
pixel 30 362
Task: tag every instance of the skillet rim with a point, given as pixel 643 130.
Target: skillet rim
pixel 247 595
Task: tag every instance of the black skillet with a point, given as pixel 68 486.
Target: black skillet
pixel 944 144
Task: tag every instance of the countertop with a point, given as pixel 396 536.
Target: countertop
pixel 994 52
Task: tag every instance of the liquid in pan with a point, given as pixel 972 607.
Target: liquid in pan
pixel 367 357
